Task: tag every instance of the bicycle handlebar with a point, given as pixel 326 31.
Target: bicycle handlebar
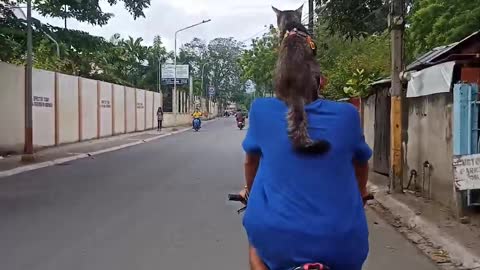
pixel 239 198
pixel 235 198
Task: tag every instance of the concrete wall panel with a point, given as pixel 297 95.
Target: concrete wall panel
pixel 130 109
pixel 67 108
pixel 430 139
pixel 12 108
pixel 88 109
pixel 140 110
pixel 119 109
pixel 43 98
pixel 105 109
pixel 369 121
pixel 149 110
pixel 182 120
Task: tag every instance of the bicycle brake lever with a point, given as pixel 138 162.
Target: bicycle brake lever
pixel 241 210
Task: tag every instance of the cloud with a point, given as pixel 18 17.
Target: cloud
pixel 230 18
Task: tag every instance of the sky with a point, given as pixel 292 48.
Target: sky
pixel 241 19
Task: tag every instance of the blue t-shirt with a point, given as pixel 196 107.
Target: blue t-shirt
pixel 305 209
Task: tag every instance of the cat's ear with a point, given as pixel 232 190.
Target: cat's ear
pixel 299 11
pixel 277 11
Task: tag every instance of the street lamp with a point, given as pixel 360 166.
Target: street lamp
pixel 203 88
pixel 174 92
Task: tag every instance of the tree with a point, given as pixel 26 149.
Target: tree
pixel 86 10
pixel 432 23
pixel 353 18
pixel 258 63
pixel 224 72
pixel 195 53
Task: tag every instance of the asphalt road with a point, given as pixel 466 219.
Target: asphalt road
pixel 160 205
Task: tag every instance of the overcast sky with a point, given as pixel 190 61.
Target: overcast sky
pixel 240 19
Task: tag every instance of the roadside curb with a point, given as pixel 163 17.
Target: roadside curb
pixel 458 253
pixel 63 160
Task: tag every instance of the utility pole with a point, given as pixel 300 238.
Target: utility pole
pixel 310 16
pixel 397 27
pixel 28 148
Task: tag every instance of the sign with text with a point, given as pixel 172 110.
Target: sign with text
pixel 42 102
pixel 105 104
pixel 466 171
pixel 168 74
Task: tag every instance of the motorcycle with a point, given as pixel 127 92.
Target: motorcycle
pixel 196 124
pixel 241 124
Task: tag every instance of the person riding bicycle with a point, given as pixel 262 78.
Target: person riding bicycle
pixel 196 115
pixel 306 171
pixel 239 116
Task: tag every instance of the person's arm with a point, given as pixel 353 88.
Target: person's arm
pixel 361 173
pixel 252 161
pixel 362 154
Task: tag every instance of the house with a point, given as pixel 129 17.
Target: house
pixel 428 122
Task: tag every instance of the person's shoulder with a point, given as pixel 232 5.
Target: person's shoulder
pixel 341 107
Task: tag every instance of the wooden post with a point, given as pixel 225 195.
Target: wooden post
pixel 397 26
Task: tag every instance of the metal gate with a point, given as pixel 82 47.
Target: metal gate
pixel 381 148
pixel 466 141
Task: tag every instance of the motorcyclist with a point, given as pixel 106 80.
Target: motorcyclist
pixel 239 116
pixel 196 115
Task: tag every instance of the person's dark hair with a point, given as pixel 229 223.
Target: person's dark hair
pixel 295 85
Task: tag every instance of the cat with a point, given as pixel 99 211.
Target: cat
pixel 286 18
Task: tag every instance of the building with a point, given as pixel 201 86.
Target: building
pixel 437 126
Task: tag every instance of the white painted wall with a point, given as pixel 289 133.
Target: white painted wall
pixel 12 108
pixel 130 109
pixel 149 113
pixel 105 109
pixel 157 102
pixel 368 105
pixel 43 94
pixel 119 108
pixel 140 110
pixel 88 108
pixel 182 120
pixel 67 108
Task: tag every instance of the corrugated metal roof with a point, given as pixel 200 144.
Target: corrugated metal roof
pixel 428 59
pixel 382 81
pixel 429 56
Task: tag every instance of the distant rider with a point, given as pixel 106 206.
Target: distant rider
pixel 239 116
pixel 196 115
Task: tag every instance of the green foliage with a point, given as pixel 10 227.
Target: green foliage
pixel 353 18
pixel 439 22
pixel 258 63
pixel 122 61
pixel 195 53
pixel 86 10
pixel 224 68
pixel 340 59
pixel 358 84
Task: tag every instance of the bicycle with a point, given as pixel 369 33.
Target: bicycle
pixel 308 266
